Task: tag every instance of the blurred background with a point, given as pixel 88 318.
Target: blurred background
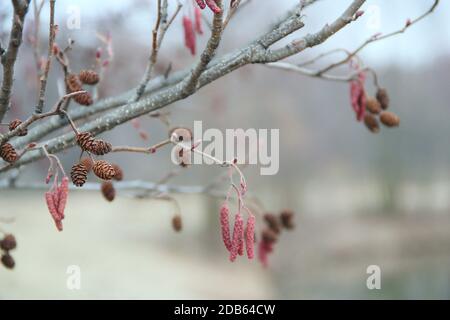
pixel 360 199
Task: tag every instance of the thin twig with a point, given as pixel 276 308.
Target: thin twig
pixel 51 41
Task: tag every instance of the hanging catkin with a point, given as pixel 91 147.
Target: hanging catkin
pixel 225 226
pixel 189 35
pixel 250 236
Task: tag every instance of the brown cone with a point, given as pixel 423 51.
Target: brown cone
pixel 119 172
pixel 87 163
pixel 383 98
pixel 371 123
pixel 89 77
pixel 78 174
pixel 8 243
pixel 101 147
pixel 269 236
pixel 177 223
pixel 389 119
pixel 108 190
pixel 287 219
pixel 14 124
pixel 373 106
pixel 85 141
pixel 85 99
pixel 73 83
pixel 273 222
pixel 8 153
pixel 103 170
pixel 8 261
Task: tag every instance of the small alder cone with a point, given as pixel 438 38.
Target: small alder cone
pixel 101 147
pixel 389 119
pixel 383 98
pixel 8 243
pixel 78 174
pixel 273 222
pixel 8 261
pixel 373 105
pixel 103 170
pixel 87 163
pixel 85 141
pixel 14 124
pixel 73 83
pixel 8 153
pixel 119 172
pixel 268 236
pixel 177 223
pixel 371 123
pixel 89 77
pixel 108 191
pixel 85 99
pixel 287 219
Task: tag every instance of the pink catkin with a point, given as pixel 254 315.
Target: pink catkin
pixel 189 35
pixel 201 4
pixel 49 198
pixel 198 21
pixel 225 226
pixel 358 96
pixel 238 234
pixel 213 6
pixel 250 236
pixel 63 192
pixel 263 253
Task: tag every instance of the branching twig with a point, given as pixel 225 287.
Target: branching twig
pixel 8 59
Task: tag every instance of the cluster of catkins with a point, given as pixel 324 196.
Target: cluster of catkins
pixel 7 151
pixel 7 244
pixel 74 83
pixel 275 224
pixel 241 236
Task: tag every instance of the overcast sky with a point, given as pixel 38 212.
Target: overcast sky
pixel 421 44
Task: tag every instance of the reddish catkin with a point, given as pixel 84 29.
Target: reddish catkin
pixel 225 226
pixel 238 234
pixel 198 21
pixel 63 193
pixel 213 6
pixel 250 236
pixel 201 4
pixel 189 35
pixel 358 96
pixel 52 209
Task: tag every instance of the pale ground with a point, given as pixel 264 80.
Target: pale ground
pixel 125 249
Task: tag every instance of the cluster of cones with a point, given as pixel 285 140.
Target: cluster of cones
pixel 7 244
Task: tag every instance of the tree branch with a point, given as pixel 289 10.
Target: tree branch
pixel 8 59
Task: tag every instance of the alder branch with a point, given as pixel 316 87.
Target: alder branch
pixel 8 59
pixel 256 52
